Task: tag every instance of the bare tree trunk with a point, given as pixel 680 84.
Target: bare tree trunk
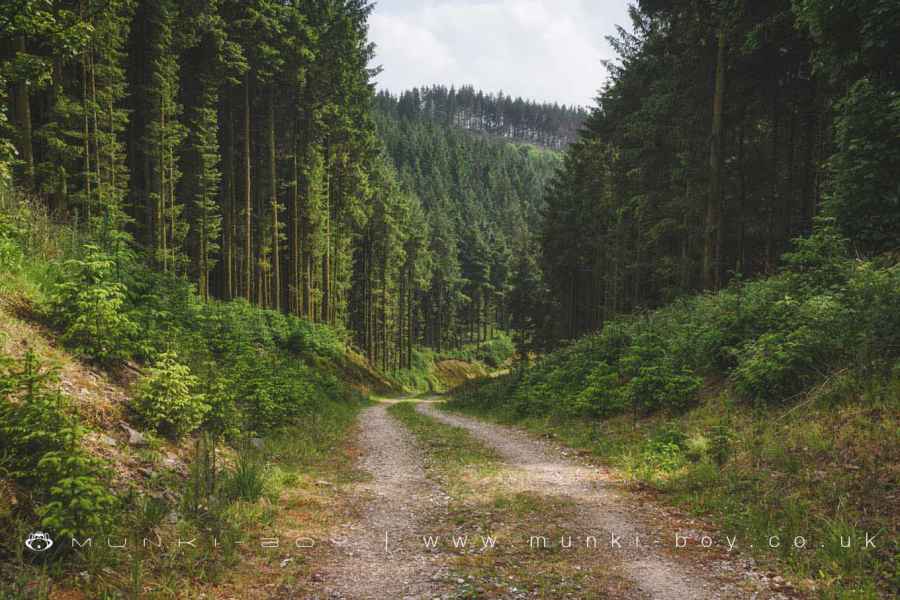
pixel 295 232
pixel 273 180
pixel 248 208
pixel 773 200
pixel 713 248
pixel 87 141
pixel 228 225
pixel 23 121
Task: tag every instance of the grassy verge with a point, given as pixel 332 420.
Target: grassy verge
pixel 825 471
pixel 290 482
pixel 483 506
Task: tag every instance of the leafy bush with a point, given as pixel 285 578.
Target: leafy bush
pixel 88 304
pixel 768 365
pixel 602 396
pixel 496 350
pixel 224 418
pixel 166 397
pixel 78 500
pixel 661 455
pixel 41 442
pixel 654 382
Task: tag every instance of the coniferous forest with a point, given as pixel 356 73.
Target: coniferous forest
pixel 226 255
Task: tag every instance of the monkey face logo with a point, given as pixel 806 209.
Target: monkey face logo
pixel 39 541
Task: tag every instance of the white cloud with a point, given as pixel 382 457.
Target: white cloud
pixel 548 50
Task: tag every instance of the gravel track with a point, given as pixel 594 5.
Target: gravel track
pixel 602 510
pixel 401 501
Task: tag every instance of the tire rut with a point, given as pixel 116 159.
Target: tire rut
pixel 602 511
pixel 401 502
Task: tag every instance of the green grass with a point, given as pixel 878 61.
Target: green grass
pixel 482 504
pixel 823 471
pixel 452 450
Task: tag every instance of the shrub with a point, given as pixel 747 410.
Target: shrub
pixel 768 366
pixel 661 454
pixel 78 500
pixel 653 380
pixel 88 304
pixel 496 350
pixel 224 417
pixel 41 442
pixel 166 397
pixel 782 363
pixel 602 397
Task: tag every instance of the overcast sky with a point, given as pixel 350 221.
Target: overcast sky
pixel 547 50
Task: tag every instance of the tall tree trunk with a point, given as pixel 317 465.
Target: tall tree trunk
pixel 161 200
pixel 87 140
pixel 22 104
pixel 248 198
pixel 742 209
pixel 228 225
pixel 273 181
pixel 326 257
pixel 296 308
pixel 773 199
pixel 713 248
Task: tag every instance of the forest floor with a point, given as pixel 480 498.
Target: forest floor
pixel 460 508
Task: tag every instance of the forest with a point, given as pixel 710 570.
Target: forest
pixel 270 177
pixel 726 130
pixel 550 126
pixel 235 275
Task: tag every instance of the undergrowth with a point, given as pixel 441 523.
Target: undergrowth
pixel 424 376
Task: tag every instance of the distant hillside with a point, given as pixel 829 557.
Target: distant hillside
pixel 480 199
pixel 549 125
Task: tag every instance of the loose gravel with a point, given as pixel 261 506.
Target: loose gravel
pixel 603 511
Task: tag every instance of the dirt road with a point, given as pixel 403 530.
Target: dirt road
pixel 400 500
pixel 608 514
pixel 379 557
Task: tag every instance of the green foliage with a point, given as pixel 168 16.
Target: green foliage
pixel 225 418
pixel 78 500
pixel 856 49
pixel 653 381
pixel 767 366
pixel 247 480
pixel 41 442
pixel 496 350
pixel 774 338
pixel 11 254
pixel 720 442
pixel 601 396
pixel 166 398
pixel 660 457
pixel 88 305
pixel 696 447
